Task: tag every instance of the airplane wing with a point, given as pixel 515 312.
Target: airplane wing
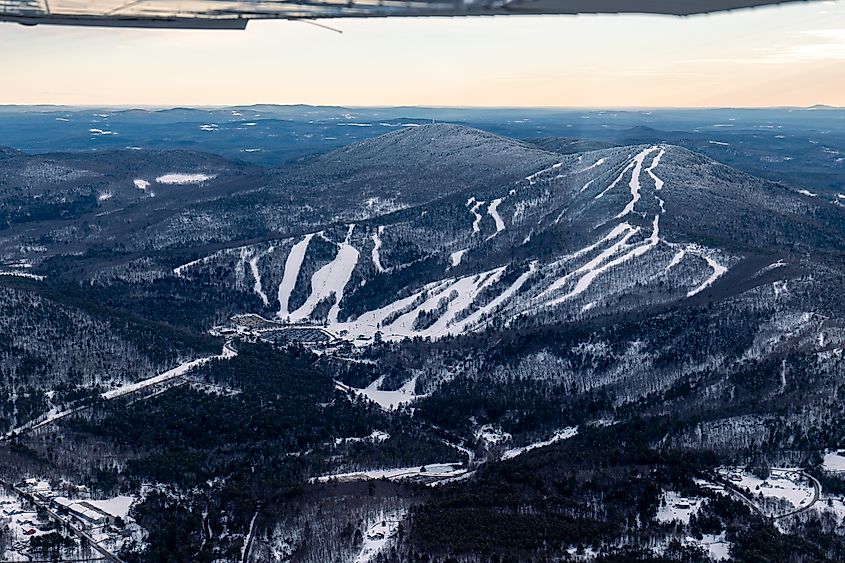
pixel 234 14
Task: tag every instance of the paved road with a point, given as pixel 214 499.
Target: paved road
pixel 732 489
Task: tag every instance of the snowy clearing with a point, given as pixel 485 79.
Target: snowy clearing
pixel 834 462
pixel 388 400
pixel 492 435
pixel 783 483
pixel 457 256
pixel 176 178
pixel 675 507
pixel 378 536
pixel 376 437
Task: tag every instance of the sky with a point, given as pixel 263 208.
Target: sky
pixel 784 55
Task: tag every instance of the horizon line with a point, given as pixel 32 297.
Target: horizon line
pixel 157 107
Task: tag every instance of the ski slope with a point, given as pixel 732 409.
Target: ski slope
pixel 634 184
pixel 475 205
pixel 292 266
pixel 178 371
pixel 329 282
pixel 387 400
pixel 493 211
pixel 718 270
pixel 560 435
pixel 253 267
pixel 376 256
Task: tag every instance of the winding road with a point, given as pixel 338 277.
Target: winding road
pixel 739 494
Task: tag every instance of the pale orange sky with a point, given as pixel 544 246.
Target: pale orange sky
pixel 789 55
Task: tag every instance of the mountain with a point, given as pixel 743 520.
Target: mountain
pixel 604 231
pixel 438 344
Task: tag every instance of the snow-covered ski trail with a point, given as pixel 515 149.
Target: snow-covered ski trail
pixel 292 266
pixel 253 266
pixel 330 280
pixel 493 211
pixel 658 183
pixel 616 181
pixel 475 205
pixel 623 229
pixel 376 255
pixel 590 274
pixel 718 270
pixel 634 184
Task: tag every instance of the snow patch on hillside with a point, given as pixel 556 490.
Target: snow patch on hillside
pixel 834 462
pixel 457 256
